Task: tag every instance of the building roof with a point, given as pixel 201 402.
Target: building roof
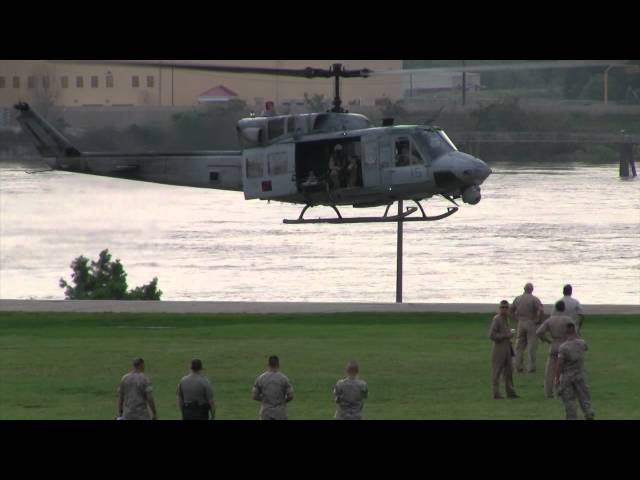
pixel 219 91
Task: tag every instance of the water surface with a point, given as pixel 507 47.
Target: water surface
pixel 577 224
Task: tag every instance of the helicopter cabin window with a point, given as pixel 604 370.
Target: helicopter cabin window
pixel 291 124
pixel 278 163
pixel 406 153
pixel 255 168
pixel 275 128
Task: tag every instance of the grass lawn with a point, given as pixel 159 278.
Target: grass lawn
pixel 418 366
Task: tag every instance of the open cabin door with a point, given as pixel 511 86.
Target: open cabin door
pixel 269 172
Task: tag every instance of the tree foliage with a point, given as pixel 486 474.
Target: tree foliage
pixel 316 102
pixel 104 280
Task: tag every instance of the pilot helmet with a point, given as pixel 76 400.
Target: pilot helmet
pixel 338 148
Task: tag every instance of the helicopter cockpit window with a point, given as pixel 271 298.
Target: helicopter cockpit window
pixel 403 149
pixel 406 153
pixel 416 158
pixel 275 127
pixel 435 143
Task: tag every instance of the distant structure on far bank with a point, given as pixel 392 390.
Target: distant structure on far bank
pixel 75 85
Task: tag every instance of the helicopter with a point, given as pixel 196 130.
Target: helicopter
pixel 333 158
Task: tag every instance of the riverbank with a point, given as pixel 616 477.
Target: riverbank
pixel 115 306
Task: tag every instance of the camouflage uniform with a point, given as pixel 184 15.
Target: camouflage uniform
pixel 556 325
pixel 350 394
pixel 272 389
pixel 572 379
pixel 501 355
pixel 526 308
pixel 136 387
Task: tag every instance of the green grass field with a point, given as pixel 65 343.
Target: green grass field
pixel 418 366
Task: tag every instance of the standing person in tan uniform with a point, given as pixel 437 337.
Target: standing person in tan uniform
pixel 274 391
pixel 556 325
pixel 195 395
pixel 500 333
pixel 528 310
pixel 349 394
pixel 135 394
pixel 570 376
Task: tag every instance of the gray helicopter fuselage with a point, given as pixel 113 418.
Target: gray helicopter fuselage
pixel 298 169
pixel 289 159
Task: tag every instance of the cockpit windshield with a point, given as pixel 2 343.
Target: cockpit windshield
pixel 436 142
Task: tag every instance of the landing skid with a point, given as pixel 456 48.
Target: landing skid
pixel 403 217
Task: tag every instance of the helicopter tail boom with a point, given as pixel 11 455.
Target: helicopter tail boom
pixel 49 141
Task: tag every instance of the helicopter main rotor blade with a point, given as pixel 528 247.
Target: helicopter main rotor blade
pixel 506 67
pixel 309 72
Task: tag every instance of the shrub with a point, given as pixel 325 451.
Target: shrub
pixel 104 280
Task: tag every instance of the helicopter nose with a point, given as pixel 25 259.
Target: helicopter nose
pixel 475 171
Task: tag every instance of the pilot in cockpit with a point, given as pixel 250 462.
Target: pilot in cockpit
pixel 403 159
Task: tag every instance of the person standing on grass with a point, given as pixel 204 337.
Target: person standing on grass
pixel 528 310
pixel 571 380
pixel 500 333
pixel 572 307
pixel 349 394
pixel 556 325
pixel 195 395
pixel 273 390
pixel 135 397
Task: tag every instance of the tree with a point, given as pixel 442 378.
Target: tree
pixel 316 102
pixel 47 91
pixel 391 109
pixel 104 280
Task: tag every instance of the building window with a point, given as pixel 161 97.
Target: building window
pixel 45 82
pixel 80 82
pixel 150 82
pixel 64 82
pixel 135 81
pixel 16 82
pixel 109 81
pixel 2 80
pixel 94 81
pixel 31 81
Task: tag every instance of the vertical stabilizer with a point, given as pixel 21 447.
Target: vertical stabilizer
pixel 48 141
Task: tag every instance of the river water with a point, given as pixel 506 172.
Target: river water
pixel 578 224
